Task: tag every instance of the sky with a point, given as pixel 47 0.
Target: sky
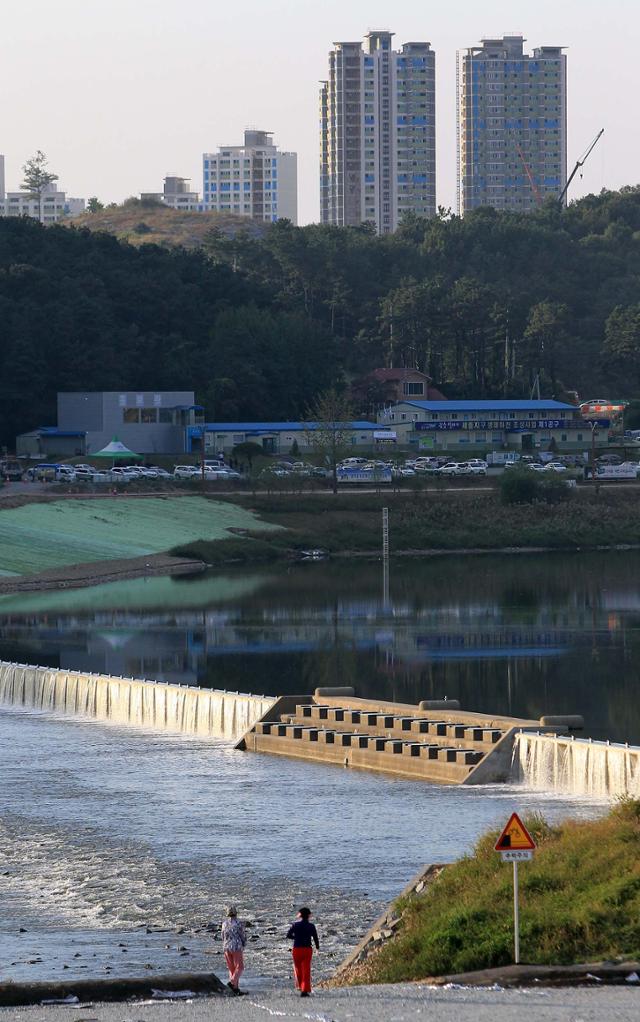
pixel 119 93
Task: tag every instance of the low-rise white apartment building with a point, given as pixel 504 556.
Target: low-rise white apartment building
pixel 177 194
pixel 255 179
pixel 51 207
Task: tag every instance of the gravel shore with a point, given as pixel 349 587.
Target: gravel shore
pixel 398 1003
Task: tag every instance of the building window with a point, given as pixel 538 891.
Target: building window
pixel 410 389
pixel 579 437
pixel 165 415
pixel 238 438
pixel 564 438
pixel 130 415
pixel 149 415
pixel 481 438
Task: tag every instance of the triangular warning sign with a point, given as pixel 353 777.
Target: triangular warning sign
pixel 515 836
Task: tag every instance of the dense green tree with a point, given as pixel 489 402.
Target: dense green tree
pixel 37 178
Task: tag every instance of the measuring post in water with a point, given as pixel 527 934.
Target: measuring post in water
pixel 515 845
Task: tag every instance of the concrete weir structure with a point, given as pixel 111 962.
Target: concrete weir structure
pixel 209 713
pixel 433 741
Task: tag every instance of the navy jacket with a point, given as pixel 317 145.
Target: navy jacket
pixel 302 932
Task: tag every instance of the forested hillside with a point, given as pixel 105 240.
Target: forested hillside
pixel 258 325
pixel 482 304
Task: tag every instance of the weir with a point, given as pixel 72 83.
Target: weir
pixel 576 766
pixel 208 713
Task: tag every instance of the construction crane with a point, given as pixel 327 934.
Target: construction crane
pixel 580 163
pixel 534 187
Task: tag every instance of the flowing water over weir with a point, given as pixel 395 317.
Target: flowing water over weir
pixel 576 766
pixel 149 704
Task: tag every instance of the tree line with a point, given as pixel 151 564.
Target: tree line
pixel 260 326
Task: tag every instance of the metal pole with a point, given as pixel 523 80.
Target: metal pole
pixel 385 556
pixel 516 916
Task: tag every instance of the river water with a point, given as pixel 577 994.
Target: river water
pixel 119 847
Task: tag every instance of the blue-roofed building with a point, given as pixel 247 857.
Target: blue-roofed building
pixel 274 437
pixel 491 425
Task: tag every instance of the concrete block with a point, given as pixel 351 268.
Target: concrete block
pixel 438 727
pixel 346 690
pixel 420 726
pixel 429 751
pixel 404 723
pixel 336 714
pixel 378 744
pixel 456 730
pixel 439 704
pixel 310 734
pixel 391 745
pixel 304 711
pixel 411 749
pixel 343 739
pixel 370 719
pixel 353 716
pixel 328 737
pixel 573 721
pixel 322 712
pixel 385 720
pixel 264 728
pixel 360 741
pixel 296 731
pixel 280 730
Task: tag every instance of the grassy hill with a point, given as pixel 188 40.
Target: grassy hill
pixel 140 224
pixel 579 902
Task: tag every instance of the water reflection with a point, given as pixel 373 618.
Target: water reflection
pixel 524 635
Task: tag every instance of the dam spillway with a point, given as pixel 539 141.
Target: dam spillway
pixel 576 766
pixel 207 713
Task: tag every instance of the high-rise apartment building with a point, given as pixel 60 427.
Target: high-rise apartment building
pixel 377 133
pixel 512 125
pixel 254 179
pixel 52 206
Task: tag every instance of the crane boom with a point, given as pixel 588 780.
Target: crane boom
pixel 534 187
pixel 580 163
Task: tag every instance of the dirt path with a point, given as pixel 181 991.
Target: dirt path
pixel 75 576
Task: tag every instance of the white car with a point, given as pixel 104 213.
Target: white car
pixel 533 466
pixel 476 467
pixel 555 466
pixel 120 474
pixel 454 468
pixel 65 474
pixel 186 471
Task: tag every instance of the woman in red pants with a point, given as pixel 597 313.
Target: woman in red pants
pixel 302 933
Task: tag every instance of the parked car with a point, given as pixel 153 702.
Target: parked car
pixel 477 467
pixel 123 474
pixel 555 466
pixel 454 468
pixel 66 474
pixel 609 459
pixel 186 471
pixel 11 469
pixel 535 466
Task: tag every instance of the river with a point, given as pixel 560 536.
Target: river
pixel 118 847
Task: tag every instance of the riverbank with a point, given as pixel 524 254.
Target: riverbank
pixel 580 902
pixel 422 524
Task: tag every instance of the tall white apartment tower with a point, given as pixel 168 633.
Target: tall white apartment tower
pixel 512 125
pixel 255 179
pixel 377 133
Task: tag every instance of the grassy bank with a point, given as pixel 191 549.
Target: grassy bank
pixel 352 523
pixel 580 902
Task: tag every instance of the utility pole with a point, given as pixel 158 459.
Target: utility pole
pixel 385 556
pixel 594 431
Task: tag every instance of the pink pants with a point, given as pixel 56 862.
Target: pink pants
pixel 235 966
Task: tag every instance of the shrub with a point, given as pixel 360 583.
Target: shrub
pixel 519 486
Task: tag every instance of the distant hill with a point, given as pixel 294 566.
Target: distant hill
pixel 141 224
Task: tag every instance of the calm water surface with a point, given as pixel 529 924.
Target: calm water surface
pixel 118 847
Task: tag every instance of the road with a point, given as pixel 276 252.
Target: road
pixel 398 1003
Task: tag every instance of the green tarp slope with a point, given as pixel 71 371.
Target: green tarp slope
pixel 37 537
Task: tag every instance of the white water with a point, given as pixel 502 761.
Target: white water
pixel 148 704
pixel 577 766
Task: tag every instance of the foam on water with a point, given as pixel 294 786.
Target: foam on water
pixel 601 770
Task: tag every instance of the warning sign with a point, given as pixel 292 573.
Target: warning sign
pixel 515 837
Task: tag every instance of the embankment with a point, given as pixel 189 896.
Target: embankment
pixel 579 902
pixel 425 522
pixel 209 713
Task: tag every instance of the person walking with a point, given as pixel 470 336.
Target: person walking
pixel 302 933
pixel 234 940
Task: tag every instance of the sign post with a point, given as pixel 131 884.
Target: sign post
pixel 515 845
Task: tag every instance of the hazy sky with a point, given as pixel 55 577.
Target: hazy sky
pixel 119 93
